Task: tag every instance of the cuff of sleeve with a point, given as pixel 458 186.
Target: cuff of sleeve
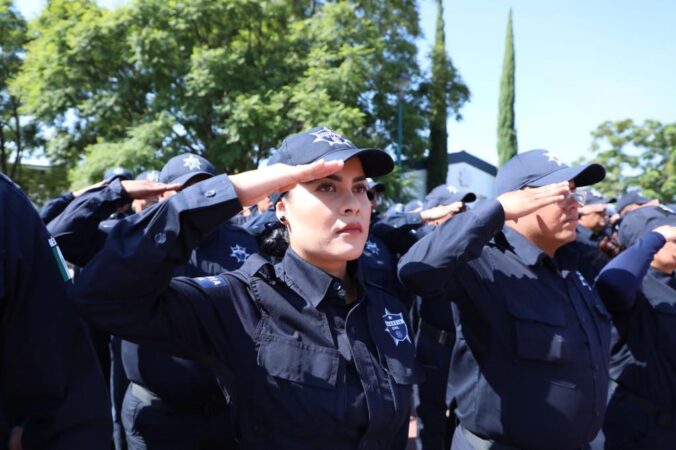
pixel 121 197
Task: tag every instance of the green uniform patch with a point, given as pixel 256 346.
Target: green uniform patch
pixel 60 260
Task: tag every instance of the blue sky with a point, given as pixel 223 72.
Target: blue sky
pixel 578 63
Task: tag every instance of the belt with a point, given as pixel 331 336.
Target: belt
pixel 150 398
pixel 479 443
pixel 664 419
pixel 440 336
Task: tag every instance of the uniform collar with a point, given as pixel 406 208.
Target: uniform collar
pixel 666 278
pixel 527 251
pixel 309 281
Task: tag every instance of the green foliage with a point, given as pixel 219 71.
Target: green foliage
pixel 446 91
pixel 637 156
pixel 19 138
pixel 399 187
pixel 507 142
pixel 227 79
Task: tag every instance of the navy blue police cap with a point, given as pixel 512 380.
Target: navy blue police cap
pixel 537 168
pixel 324 143
pixel 152 175
pixel 446 194
pixel 630 198
pixel 182 168
pixel 117 173
pixel 594 197
pixel 642 221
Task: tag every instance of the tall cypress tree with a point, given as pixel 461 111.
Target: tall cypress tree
pixel 507 144
pixel 437 162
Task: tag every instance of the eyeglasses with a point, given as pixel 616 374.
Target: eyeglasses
pixel 579 197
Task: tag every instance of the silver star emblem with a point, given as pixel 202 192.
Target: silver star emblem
pixel 451 189
pixel 372 247
pixel 239 253
pixel 191 162
pixel 553 159
pixel 330 137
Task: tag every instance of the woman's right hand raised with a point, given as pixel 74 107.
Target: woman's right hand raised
pixel 525 201
pixel 254 185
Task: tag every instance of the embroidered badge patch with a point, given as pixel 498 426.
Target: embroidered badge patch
pixel 330 137
pixel 192 163
pixel 239 253
pixel 395 325
pixel 372 247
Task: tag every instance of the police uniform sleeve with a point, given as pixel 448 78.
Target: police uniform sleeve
pixel 127 289
pixel 620 280
pixel 55 206
pixel 428 266
pixel 76 228
pixel 50 379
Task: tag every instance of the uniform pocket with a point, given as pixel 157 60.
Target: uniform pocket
pixel 300 362
pixel 538 327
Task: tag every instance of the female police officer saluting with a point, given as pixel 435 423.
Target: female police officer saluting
pixel 314 356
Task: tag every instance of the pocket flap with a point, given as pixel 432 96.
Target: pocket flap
pixel 536 309
pixel 299 362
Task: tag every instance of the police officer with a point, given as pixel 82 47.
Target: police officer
pixel 529 368
pixel 435 338
pixel 174 403
pixel 592 231
pixel 55 206
pixel 318 357
pixel 633 200
pixel 52 388
pixel 642 403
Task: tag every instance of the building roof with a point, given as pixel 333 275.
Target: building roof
pixel 456 158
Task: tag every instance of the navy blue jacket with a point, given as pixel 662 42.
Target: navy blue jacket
pixel 644 339
pixel 308 371
pixel 530 362
pixel 50 381
pixel 55 206
pixel 81 232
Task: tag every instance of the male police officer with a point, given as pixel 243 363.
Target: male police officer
pixel 435 338
pixel 530 363
pixel 51 385
pixel 592 228
pixel 173 403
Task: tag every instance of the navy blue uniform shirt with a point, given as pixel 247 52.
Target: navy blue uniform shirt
pixel 530 362
pixel 50 380
pixel 644 340
pixel 55 206
pixel 274 329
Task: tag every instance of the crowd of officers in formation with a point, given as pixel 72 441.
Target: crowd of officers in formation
pixel 278 309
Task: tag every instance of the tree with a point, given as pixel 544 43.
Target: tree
pixel 446 90
pixel 507 143
pixel 637 156
pixel 227 79
pixel 17 134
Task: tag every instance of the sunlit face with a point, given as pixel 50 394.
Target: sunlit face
pixel 553 225
pixel 328 219
pixel 594 217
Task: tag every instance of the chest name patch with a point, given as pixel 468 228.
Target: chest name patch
pixel 395 325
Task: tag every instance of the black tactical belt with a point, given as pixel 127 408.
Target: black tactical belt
pixel 440 336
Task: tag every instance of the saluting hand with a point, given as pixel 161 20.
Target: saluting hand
pixel 525 201
pixel 89 188
pixel 138 189
pixel 254 185
pixel 668 231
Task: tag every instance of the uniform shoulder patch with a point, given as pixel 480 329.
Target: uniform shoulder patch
pixel 210 282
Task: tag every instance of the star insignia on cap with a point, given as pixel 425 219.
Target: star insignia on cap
pixel 451 189
pixel 118 171
pixel 191 162
pixel 372 247
pixel 239 253
pixel 330 137
pixel 553 159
